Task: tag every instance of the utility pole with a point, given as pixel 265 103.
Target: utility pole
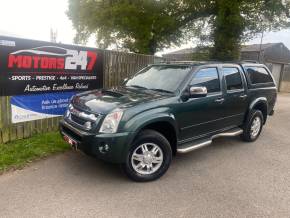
pixel 53 35
pixel 261 43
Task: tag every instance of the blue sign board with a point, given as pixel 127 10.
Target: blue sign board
pixel 39 106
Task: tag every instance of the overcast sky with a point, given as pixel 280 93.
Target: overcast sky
pixel 34 18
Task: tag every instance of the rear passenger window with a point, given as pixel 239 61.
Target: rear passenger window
pixel 233 78
pixel 207 77
pixel 258 75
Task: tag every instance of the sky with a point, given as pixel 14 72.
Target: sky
pixel 33 19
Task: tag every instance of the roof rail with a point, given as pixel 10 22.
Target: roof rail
pixel 250 61
pixel 183 62
pixel 207 62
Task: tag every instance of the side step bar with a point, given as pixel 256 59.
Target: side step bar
pixel 202 143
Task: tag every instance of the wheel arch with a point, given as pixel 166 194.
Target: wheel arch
pixel 260 104
pixel 165 125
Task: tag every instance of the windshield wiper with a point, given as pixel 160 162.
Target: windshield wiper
pixel 162 90
pixel 136 86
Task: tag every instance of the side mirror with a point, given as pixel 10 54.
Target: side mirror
pixel 197 91
pixel 125 80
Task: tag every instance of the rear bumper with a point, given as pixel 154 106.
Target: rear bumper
pixel 109 147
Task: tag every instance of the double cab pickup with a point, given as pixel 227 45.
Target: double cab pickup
pixel 169 108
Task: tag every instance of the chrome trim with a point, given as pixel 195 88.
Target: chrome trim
pixel 75 130
pixel 228 134
pixel 88 118
pixel 81 114
pixel 233 91
pixel 194 147
pixel 210 94
pixel 77 124
pixel 219 100
pixel 270 87
pixel 206 135
pixel 208 142
pixel 198 91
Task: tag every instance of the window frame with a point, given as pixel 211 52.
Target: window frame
pixel 225 81
pixel 256 85
pixel 218 74
pixel 179 89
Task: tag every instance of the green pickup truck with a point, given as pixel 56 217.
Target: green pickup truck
pixel 169 108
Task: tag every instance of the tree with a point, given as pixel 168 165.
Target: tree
pixel 235 21
pixel 147 26
pixel 228 27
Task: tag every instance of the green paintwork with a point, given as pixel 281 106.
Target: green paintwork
pixel 191 118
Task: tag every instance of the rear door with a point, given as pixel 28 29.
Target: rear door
pixel 235 89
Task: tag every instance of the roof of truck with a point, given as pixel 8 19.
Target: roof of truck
pixel 199 63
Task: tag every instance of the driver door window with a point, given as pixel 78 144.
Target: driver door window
pixel 208 78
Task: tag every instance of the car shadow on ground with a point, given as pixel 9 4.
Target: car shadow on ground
pixel 85 166
pixel 218 145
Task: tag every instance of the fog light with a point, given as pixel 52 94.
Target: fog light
pixel 104 148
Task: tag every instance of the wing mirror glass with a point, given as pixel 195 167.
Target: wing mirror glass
pixel 125 80
pixel 197 91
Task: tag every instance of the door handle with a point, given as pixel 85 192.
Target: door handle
pixel 243 96
pixel 220 100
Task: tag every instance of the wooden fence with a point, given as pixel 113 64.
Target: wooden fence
pixel 117 66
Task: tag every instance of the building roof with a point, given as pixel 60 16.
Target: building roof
pixel 183 51
pixel 245 48
pixel 274 52
pixel 256 47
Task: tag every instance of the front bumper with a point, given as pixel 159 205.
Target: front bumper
pixel 109 147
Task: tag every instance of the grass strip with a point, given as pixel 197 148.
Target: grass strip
pixel 16 154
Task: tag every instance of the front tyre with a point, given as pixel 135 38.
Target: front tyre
pixel 149 157
pixel 253 126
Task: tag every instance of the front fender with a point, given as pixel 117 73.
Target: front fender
pixel 140 121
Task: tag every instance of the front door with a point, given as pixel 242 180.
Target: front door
pixel 199 116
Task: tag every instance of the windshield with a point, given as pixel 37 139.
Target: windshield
pixel 159 78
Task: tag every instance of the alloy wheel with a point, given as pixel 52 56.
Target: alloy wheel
pixel 147 158
pixel 256 127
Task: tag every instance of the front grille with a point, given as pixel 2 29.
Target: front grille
pixel 81 119
pixel 78 120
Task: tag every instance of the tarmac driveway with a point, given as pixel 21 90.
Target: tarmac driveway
pixel 228 179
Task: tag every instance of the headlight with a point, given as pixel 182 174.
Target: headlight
pixel 67 114
pixel 111 122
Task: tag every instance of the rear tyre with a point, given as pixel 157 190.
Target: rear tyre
pixel 149 157
pixel 253 126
